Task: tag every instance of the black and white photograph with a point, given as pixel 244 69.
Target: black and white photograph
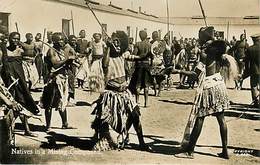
pixel 130 82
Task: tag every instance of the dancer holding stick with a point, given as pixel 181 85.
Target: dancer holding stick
pixel 211 97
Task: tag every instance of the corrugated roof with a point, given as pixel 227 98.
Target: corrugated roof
pixel 113 9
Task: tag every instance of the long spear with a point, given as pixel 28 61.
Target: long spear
pixel 203 13
pixel 16 25
pixel 136 34
pixel 102 28
pixel 228 31
pixel 168 19
pixel 192 116
pixel 72 21
pixel 44 33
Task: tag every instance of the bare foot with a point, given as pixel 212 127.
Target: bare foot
pixel 223 155
pixel 185 155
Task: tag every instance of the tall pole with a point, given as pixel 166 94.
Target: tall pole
pixel 203 13
pixel 168 18
pixel 16 26
pixel 72 21
pixel 136 34
pixel 259 10
pixel 227 30
pixel 102 28
pixel 44 33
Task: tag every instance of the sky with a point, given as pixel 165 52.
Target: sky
pixel 183 8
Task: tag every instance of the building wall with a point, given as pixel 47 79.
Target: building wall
pixel 35 15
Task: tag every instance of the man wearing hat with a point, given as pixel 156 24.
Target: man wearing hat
pixel 252 68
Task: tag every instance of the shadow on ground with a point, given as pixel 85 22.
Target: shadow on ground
pixel 243 111
pixel 39 128
pixel 158 145
pixel 182 102
pixel 238 150
pixel 83 143
pixel 83 103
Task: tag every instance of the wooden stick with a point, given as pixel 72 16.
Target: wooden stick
pixel 180 34
pixel 192 116
pixel 72 21
pixel 228 31
pixel 44 33
pixel 103 30
pixel 203 13
pixel 136 34
pixel 16 25
pixel 168 17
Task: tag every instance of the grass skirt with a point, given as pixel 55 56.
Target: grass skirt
pixel 112 109
pixel 214 96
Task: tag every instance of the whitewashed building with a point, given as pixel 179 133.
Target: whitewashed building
pixel 56 15
pixel 229 26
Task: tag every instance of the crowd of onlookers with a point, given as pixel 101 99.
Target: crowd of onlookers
pixel 34 67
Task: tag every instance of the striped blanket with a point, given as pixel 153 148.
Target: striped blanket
pixel 114 108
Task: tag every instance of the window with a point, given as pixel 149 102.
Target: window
pixel 4 21
pixel 66 27
pixel 128 29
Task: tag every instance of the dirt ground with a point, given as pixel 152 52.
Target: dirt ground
pixel 163 125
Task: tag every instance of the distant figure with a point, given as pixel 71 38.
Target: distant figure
pixel 39 54
pixel 168 59
pixel 142 77
pixel 252 69
pixel 29 55
pixel 82 43
pixel 129 65
pixel 96 76
pixel 69 50
pixel 157 49
pixel 83 49
pixel 193 58
pixel 233 41
pixel 181 63
pixel 239 54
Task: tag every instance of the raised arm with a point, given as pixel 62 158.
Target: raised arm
pixel 54 59
pixel 131 57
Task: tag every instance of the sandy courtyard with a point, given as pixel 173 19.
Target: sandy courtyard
pixel 163 125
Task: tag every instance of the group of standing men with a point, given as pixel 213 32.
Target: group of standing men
pixel 108 70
